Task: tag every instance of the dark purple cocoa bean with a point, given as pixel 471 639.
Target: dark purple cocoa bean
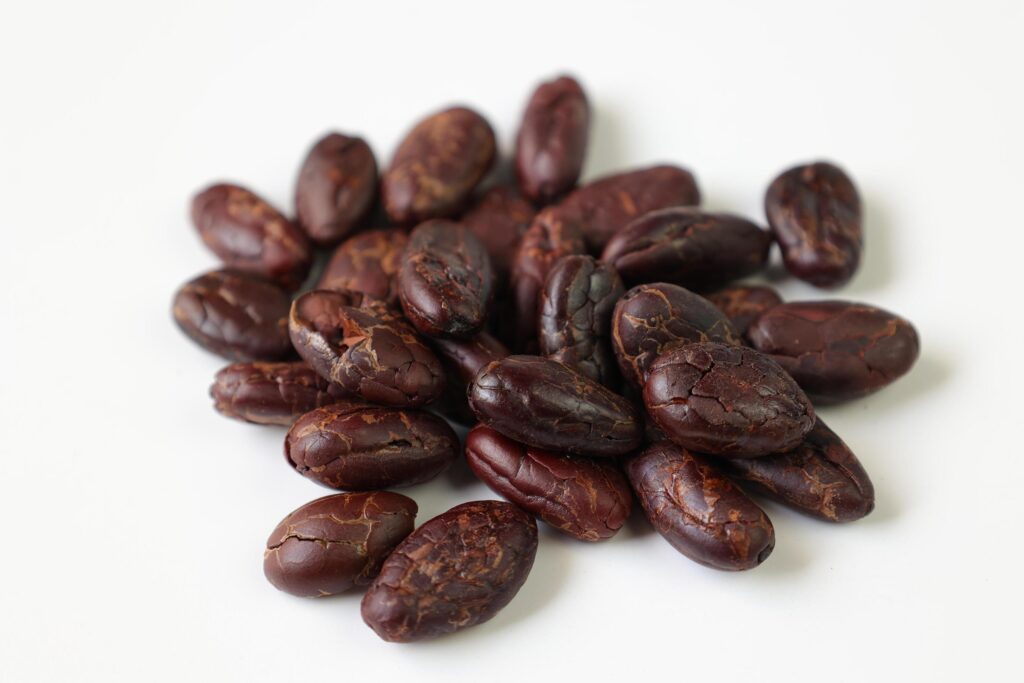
pixel 437 165
pixel 607 205
pixel 545 404
pixel 688 247
pixel 814 211
pixel 235 315
pixel 457 570
pixel 358 447
pixel 336 188
pixel 368 349
pixel 367 263
pixel 271 393
pixel 729 401
pixel 837 350
pixel 462 359
pixel 742 304
pixel 650 318
pixel 587 499
pixel 698 510
pixel 446 281
pixel 247 233
pixel 575 316
pixel 499 219
pixel 331 544
pixel 552 139
pixel 821 477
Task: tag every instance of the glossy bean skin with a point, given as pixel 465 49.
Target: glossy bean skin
pixel 587 499
pixel 336 187
pixel 821 477
pixel 457 570
pixel 355 446
pixel 335 543
pixel 837 350
pixel 729 401
pixel 576 307
pixel 445 283
pixel 650 318
pixel 743 304
pixel 462 360
pixel 437 165
pixel 367 263
pixel 235 315
pixel 248 234
pixel 271 393
pixel 365 347
pixel 605 206
pixel 499 219
pixel 688 247
pixel 698 510
pixel 814 211
pixel 552 235
pixel 552 139
pixel 544 404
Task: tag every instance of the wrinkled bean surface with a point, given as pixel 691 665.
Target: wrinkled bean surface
pixel 743 304
pixel 499 219
pixel 271 393
pixel 552 139
pixel 462 360
pixel 367 263
pixel 336 187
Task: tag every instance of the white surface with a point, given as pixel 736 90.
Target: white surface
pixel 135 516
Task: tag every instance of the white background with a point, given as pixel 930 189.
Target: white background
pixel 135 517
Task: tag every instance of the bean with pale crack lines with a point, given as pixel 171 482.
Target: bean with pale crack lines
pixel 271 393
pixel 743 304
pixel 367 263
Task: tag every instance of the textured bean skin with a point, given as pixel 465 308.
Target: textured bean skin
pixel 837 350
pixel 247 233
pixel 499 219
pixel 545 404
pixel 367 263
pixel 605 206
pixel 368 349
pixel 814 211
pixel 446 281
pixel 575 316
pixel 462 360
pixel 688 247
pixel 235 315
pixel 359 447
pixel 552 235
pixel 457 570
pixel 698 510
pixel 271 393
pixel 821 477
pixel 650 318
pixel 743 304
pixel 336 188
pixel 552 139
pixel 729 401
pixel 587 499
pixel 334 543
pixel 437 165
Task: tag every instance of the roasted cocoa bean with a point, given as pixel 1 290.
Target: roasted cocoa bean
pixel 742 304
pixel 336 187
pixel 552 139
pixel 462 359
pixel 499 219
pixel 271 393
pixel 367 263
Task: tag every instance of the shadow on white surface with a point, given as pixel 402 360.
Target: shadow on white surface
pixel 876 266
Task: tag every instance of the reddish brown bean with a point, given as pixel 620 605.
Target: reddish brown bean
pixel 334 543
pixel 457 570
pixel 499 219
pixel 271 393
pixel 462 360
pixel 336 187
pixel 587 499
pixel 552 139
pixel 743 304
pixel 367 263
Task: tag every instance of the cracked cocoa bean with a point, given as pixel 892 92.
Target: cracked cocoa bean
pixel 499 219
pixel 587 499
pixel 359 447
pixel 552 139
pixel 335 543
pixel 367 348
pixel 837 350
pixel 271 393
pixel 729 401
pixel 437 165
pixel 235 315
pixel 687 247
pixel 247 233
pixel 457 570
pixel 367 263
pixel 543 403
pixel 742 304
pixel 698 510
pixel 336 187
pixel 605 206
pixel 814 211
pixel 821 477
pixel 445 281
pixel 462 360
pixel 650 318
pixel 575 316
